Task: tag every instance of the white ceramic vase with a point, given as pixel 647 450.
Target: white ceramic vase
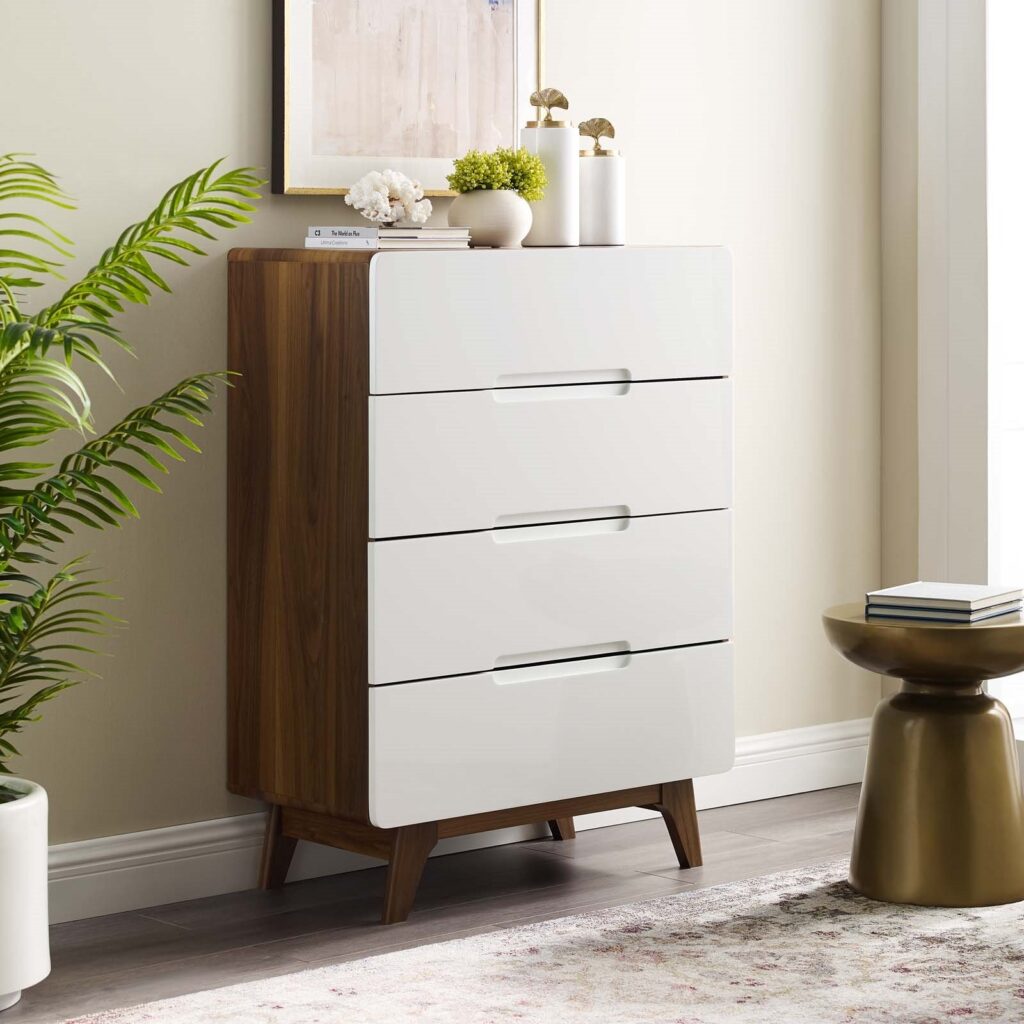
pixel 602 198
pixel 24 912
pixel 556 217
pixel 497 218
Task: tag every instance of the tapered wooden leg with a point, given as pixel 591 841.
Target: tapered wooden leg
pixel 277 852
pixel 410 849
pixel 562 828
pixel 680 813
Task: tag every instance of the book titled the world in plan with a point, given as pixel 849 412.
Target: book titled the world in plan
pixel 343 237
pixel 344 231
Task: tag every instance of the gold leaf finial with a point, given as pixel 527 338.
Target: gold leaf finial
pixel 549 99
pixel 597 128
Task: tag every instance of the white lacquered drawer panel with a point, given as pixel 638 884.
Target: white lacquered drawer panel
pixel 472 460
pixel 447 747
pixel 453 321
pixel 471 602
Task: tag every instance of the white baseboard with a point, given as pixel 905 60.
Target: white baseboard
pixel 205 858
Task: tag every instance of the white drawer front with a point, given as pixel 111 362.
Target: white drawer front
pixel 471 602
pixel 447 747
pixel 472 460
pixel 451 321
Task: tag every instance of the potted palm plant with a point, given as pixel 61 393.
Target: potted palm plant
pixel 52 607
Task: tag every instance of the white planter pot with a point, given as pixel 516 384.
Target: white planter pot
pixel 24 913
pixel 496 218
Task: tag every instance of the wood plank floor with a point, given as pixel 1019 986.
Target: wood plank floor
pixel 130 958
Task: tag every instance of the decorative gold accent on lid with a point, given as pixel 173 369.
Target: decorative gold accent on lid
pixel 548 100
pixel 597 128
pixel 547 124
pixel 599 152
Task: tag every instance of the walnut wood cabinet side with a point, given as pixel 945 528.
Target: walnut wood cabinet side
pixel 298 449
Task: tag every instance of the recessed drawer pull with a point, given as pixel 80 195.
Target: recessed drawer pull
pixel 467 324
pixel 537 380
pixel 459 745
pixel 461 603
pixel 566 661
pixel 461 461
pixel 562 392
pixel 506 533
pixel 565 515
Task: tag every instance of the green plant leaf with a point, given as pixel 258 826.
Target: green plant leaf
pixel 47 624
pixel 34 633
pixel 82 492
pixel 517 170
pixel 124 273
pixel 23 181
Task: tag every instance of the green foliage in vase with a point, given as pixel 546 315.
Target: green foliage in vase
pixel 516 170
pixel 526 173
pixel 52 608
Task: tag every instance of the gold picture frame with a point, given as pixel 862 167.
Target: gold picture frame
pixel 297 170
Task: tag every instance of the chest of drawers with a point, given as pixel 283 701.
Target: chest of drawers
pixel 479 542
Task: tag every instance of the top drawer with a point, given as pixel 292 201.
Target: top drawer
pixel 459 321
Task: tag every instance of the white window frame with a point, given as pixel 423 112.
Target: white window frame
pixel 959 371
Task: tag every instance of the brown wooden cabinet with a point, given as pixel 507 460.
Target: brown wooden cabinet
pixel 479 553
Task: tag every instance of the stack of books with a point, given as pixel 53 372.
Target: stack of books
pixel 387 238
pixel 944 602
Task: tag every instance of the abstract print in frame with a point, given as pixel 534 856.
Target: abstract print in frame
pixel 360 85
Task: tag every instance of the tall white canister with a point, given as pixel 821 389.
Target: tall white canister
pixel 602 188
pixel 556 217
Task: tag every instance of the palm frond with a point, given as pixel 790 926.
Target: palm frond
pixel 125 274
pixel 87 488
pixel 39 397
pixel 22 180
pixel 18 336
pixel 42 628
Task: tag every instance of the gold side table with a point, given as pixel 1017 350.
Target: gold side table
pixel 941 818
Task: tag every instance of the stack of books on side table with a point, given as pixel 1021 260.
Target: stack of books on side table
pixel 387 238
pixel 944 602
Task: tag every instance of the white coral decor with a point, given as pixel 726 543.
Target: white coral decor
pixel 387 197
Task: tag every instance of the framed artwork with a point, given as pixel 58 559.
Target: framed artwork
pixel 361 85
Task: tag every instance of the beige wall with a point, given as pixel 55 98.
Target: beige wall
pixel 899 291
pixel 750 123
pixel 900 498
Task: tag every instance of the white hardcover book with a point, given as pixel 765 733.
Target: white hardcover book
pixel 426 243
pixel 400 231
pixel 386 243
pixel 342 231
pixel 341 243
pixel 876 611
pixel 945 596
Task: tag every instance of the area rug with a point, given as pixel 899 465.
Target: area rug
pixel 796 948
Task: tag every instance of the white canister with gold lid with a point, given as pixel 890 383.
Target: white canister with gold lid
pixel 602 197
pixel 556 217
pixel 602 187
